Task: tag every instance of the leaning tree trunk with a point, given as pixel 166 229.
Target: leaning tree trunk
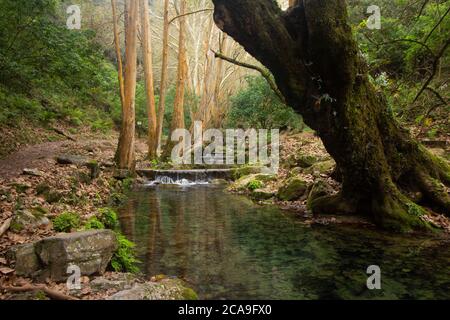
pixel 312 54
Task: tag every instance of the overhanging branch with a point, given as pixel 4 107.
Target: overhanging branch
pixel 266 74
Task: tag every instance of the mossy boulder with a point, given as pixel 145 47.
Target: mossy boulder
pixel 306 161
pixel 319 189
pixel 294 189
pixel 266 177
pixel 262 194
pixel 242 183
pixel 322 167
pixel 245 171
pixel 24 219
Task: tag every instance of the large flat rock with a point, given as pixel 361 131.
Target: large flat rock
pixel 91 251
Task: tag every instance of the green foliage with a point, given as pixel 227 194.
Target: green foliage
pixel 254 184
pixel 124 259
pixel 50 73
pixel 66 222
pixel 108 217
pixel 401 57
pixel 257 106
pixel 94 224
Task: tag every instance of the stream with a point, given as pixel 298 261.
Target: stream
pixel 226 247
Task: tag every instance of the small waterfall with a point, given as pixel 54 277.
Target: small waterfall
pixel 176 181
pixel 184 177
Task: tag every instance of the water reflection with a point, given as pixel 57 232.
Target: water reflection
pixel 226 247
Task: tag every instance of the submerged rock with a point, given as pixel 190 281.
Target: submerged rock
pixel 167 289
pixel 90 250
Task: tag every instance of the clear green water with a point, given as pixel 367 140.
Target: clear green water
pixel 226 247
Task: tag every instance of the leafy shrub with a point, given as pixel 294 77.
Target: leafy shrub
pixel 94 224
pixel 254 185
pixel 109 218
pixel 124 259
pixel 66 221
pixel 258 107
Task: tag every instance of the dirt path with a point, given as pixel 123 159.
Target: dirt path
pixel 30 157
pixel 41 156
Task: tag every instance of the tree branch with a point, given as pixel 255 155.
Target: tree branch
pixel 188 14
pixel 435 67
pixel 266 74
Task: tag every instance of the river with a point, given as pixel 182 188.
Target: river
pixel 227 247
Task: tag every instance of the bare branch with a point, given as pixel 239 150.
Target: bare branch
pixel 266 75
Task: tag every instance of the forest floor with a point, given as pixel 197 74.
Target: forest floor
pixel 68 189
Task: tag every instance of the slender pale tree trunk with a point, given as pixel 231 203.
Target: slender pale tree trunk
pixel 126 156
pixel 119 64
pixel 178 108
pixel 118 50
pixel 148 72
pixel 163 86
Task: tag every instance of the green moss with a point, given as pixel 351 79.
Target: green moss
pixel 293 190
pixel 16 227
pixel 66 222
pixel 39 212
pixel 53 196
pixel 306 161
pixel 245 171
pixel 21 188
pixel 40 295
pixel 189 294
pixel 261 195
pixel 415 210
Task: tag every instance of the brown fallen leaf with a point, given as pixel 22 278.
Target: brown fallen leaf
pixel 2 260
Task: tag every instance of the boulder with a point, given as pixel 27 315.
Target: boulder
pixel 120 282
pixel 24 219
pixel 262 194
pixel 245 171
pixel 167 289
pixel 306 161
pixel 294 189
pixel 26 261
pixel 90 250
pixel 319 189
pixel 72 159
pixel 322 167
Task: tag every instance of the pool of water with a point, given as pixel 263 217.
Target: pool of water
pixel 227 247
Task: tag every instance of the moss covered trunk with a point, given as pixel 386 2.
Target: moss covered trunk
pixel 316 63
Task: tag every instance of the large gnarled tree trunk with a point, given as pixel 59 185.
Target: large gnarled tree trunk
pixel 312 54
